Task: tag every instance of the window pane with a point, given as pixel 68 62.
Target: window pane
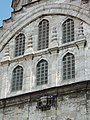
pixel 68 31
pixel 17 78
pixel 42 72
pixel 43 36
pixel 19 45
pixel 68 66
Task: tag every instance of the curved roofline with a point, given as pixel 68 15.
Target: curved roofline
pixel 48 9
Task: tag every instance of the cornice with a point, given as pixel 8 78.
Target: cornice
pixel 77 44
pixel 71 89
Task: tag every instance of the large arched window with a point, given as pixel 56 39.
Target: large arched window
pixel 68 31
pixel 19 45
pixel 17 78
pixel 68 66
pixel 43 34
pixel 42 72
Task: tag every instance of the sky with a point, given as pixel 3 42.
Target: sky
pixel 5 10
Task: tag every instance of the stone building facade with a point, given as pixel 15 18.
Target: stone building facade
pixel 44 61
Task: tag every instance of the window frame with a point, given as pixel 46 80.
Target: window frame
pixel 40 82
pixel 64 40
pixel 14 81
pixel 19 50
pixel 66 72
pixel 43 35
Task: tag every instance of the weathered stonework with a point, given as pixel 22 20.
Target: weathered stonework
pixel 69 99
pixel 71 102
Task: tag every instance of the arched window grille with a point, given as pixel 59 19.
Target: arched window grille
pixel 42 72
pixel 17 78
pixel 68 66
pixel 19 45
pixel 68 31
pixel 43 34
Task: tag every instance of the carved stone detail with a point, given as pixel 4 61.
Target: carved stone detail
pixel 6 55
pixel 54 42
pixel 46 102
pixel 80 30
pixel 29 45
pixel 30 42
pixel 81 36
pixel 54 34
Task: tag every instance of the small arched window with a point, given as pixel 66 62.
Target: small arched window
pixel 19 45
pixel 42 72
pixel 68 66
pixel 43 34
pixel 17 78
pixel 68 31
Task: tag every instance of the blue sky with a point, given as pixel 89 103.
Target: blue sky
pixel 5 10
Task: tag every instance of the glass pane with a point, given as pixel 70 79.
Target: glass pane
pixel 19 45
pixel 68 66
pixel 43 36
pixel 17 78
pixel 42 72
pixel 68 31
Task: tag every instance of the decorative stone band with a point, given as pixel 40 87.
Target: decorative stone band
pixel 73 90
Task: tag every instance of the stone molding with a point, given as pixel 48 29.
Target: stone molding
pixel 56 49
pixel 79 87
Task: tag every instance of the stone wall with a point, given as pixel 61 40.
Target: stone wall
pixel 26 21
pixel 71 102
pixel 59 99
pixel 54 55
